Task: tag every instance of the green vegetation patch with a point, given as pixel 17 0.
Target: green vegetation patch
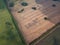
pixel 2 6
pixel 8 31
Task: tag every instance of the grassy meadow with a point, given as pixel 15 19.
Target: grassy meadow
pixel 8 31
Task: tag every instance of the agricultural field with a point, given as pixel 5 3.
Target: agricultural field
pixel 34 18
pixel 8 31
pixel 51 37
pixel 30 22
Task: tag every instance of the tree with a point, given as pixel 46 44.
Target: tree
pixel 11 4
pixel 24 4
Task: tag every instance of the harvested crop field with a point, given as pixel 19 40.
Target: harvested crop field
pixel 35 19
pixel 51 39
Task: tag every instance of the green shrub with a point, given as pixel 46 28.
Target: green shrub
pixel 11 4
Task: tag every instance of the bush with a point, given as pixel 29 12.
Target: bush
pixel 11 4
pixel 24 4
